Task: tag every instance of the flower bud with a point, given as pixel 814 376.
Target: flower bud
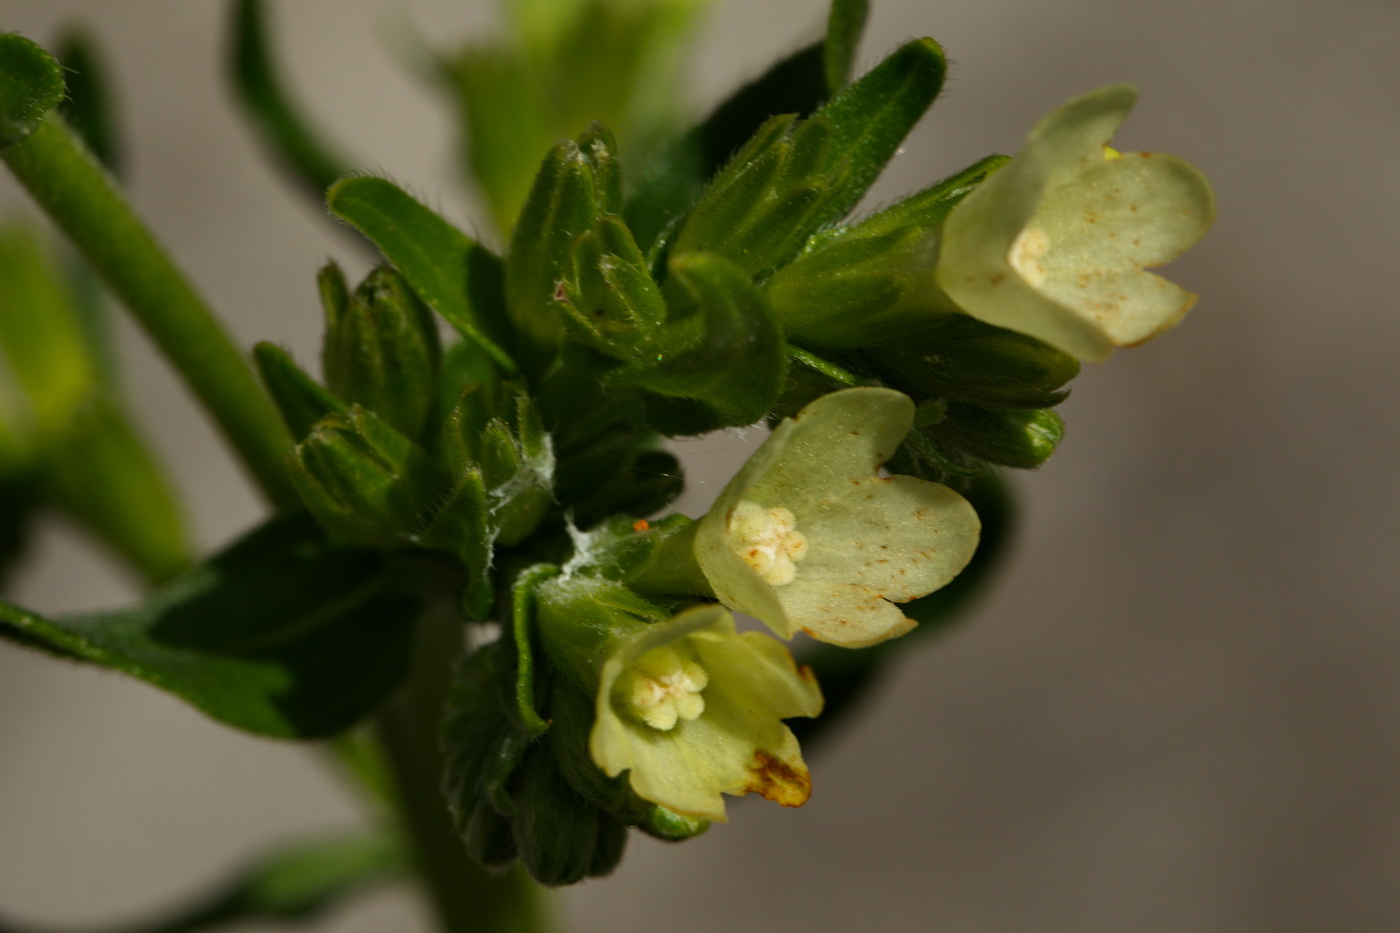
pixel 365 482
pixel 381 348
pixel 1023 438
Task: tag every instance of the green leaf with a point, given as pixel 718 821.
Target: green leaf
pixel 844 28
pixel 31 84
pixel 259 88
pixel 733 374
pixel 88 106
pixel 439 262
pixel 282 634
pixel 102 473
pixel 302 400
pixel 674 178
pixel 871 118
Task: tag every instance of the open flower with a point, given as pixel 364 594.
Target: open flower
pixel 1054 245
pixel 808 536
pixel 692 709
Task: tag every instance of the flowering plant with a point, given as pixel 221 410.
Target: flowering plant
pixel 468 580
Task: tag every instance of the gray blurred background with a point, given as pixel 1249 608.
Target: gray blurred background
pixel 1179 711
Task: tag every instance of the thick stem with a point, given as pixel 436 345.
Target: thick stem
pixel 72 187
pixel 466 897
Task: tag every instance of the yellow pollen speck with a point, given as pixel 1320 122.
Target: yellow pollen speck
pixel 665 689
pixel 768 541
pixel 1026 251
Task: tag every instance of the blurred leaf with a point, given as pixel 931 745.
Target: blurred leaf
pixel 101 471
pixel 31 84
pixel 844 29
pixel 568 64
pixel 88 106
pixel 259 88
pixel 281 634
pixel 40 330
pixel 440 263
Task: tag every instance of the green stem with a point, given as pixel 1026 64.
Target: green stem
pixel 466 897
pixel 82 199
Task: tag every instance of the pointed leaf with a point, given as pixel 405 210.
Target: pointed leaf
pixel 438 260
pixel 302 400
pixel 844 29
pixel 259 88
pixel 282 634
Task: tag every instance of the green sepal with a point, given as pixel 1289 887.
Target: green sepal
pixel 611 303
pixel 669 826
pixel 522 607
pixel 572 711
pixel 88 105
pixel 844 27
pixel 927 207
pixel 462 527
pixel 301 400
pixel 872 282
pixel 452 274
pixel 562 838
pixel 796 176
pixel 733 374
pixel 871 118
pixel 580 618
pixel 101 471
pixel 500 432
pixel 381 351
pixel 365 482
pixel 674 179
pixel 1023 438
pixel 959 357
pixel 481 749
pixel 31 84
pixel 577 182
pixel 282 128
pixel 623 549
pixel 282 634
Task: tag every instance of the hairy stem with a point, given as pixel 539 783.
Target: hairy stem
pixel 65 179
pixel 466 897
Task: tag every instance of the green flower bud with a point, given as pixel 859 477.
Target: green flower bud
pixel 31 84
pixel 1021 438
pixel 689 708
pixel 381 348
pixel 365 482
pixel 959 357
pixel 809 537
pixel 1054 245
pixel 561 838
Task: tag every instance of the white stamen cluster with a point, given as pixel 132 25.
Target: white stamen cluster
pixel 768 541
pixel 666 689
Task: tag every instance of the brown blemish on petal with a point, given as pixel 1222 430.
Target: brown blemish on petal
pixel 779 781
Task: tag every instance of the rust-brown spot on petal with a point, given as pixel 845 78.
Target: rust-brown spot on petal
pixel 779 781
